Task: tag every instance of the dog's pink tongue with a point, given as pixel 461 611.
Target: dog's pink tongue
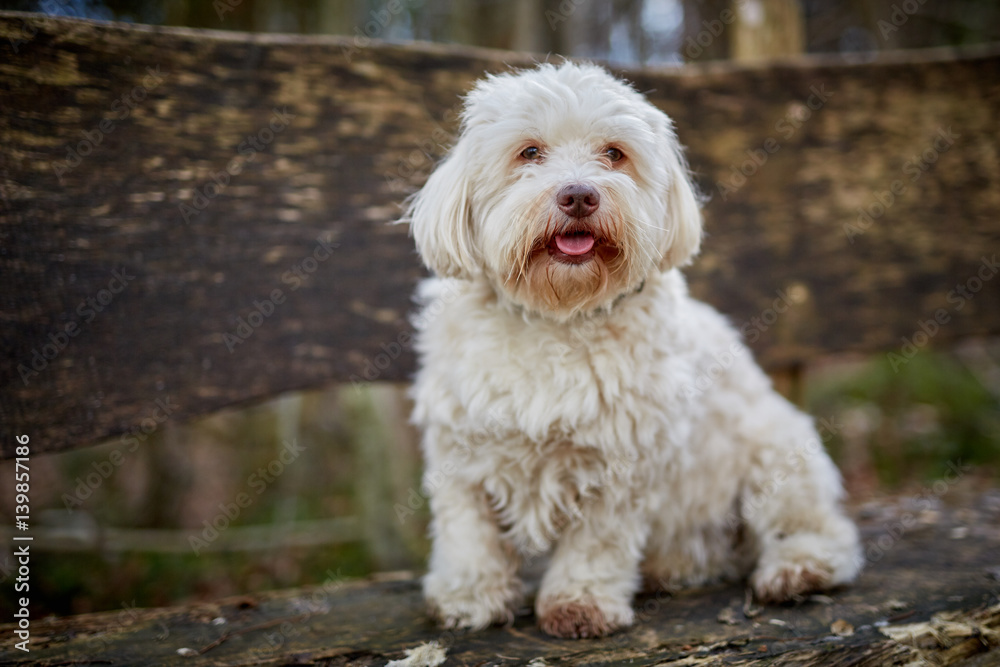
pixel 575 244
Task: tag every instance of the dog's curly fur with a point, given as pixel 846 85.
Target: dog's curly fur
pixel 573 397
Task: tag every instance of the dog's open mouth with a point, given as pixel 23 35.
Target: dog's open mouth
pixel 574 247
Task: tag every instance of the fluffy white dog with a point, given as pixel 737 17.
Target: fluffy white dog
pixel 573 397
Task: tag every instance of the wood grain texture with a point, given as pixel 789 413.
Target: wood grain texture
pixel 912 576
pixel 121 308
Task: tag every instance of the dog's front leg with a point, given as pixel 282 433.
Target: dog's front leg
pixel 587 590
pixel 472 581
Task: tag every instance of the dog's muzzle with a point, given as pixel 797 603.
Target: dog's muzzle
pixel 575 243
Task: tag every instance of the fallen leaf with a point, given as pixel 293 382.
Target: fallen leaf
pixel 841 628
pixel 430 654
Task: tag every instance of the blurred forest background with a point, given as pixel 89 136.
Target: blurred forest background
pixel 164 527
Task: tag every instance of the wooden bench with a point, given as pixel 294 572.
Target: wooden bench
pixel 192 220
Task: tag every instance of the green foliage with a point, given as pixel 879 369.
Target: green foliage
pixel 175 480
pixel 912 420
pixel 71 584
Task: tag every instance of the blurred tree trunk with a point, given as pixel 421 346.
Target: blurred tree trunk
pixel 336 17
pixel 705 26
pixel 171 478
pixel 488 24
pixel 377 418
pixel 632 11
pixel 529 27
pixel 582 31
pixel 544 27
pixel 768 29
pixel 288 418
pixel 270 16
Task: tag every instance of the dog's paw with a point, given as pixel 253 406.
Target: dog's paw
pixel 474 608
pixel 781 581
pixel 806 562
pixel 582 619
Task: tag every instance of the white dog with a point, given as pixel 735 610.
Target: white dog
pixel 573 397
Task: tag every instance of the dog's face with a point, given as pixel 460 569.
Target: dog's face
pixel 565 190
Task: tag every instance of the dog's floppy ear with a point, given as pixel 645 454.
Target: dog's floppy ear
pixel 441 220
pixel 683 222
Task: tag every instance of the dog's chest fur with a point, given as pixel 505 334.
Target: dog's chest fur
pixel 552 413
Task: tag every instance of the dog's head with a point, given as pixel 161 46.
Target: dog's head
pixel 566 189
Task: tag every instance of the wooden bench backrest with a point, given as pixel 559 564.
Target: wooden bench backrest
pixel 192 219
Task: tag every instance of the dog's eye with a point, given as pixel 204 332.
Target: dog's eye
pixel 531 153
pixel 613 154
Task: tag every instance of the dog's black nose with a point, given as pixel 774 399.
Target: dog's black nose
pixel 578 200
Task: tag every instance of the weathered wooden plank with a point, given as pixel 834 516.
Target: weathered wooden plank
pixel 917 570
pixel 122 308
